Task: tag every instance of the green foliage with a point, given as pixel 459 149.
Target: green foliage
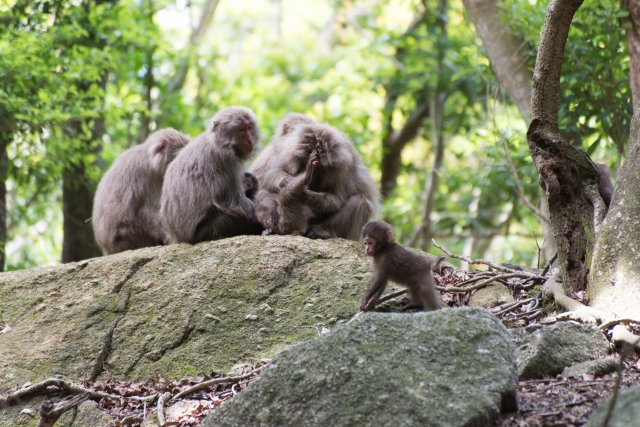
pixel 595 105
pixel 339 62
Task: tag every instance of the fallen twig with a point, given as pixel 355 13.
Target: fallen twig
pixel 514 306
pixel 486 262
pixel 65 385
pixel 214 381
pixel 161 402
pixel 50 412
pixel 481 284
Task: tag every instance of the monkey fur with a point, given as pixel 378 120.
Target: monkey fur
pixel 204 196
pixel 391 261
pixel 335 201
pixel 127 202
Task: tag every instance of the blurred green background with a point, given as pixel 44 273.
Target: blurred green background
pixel 364 67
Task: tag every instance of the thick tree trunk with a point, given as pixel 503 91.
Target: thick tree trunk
pixel 633 42
pixel 78 190
pixel 565 172
pixel 504 51
pixel 614 282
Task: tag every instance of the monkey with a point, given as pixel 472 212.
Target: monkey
pixel 340 195
pixel 391 261
pixel 250 185
pixel 204 196
pixel 127 202
pixel 605 186
pixel 283 212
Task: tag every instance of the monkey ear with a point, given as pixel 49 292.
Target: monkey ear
pixel 390 235
pixel 159 146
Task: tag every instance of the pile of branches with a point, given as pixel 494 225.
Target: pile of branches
pixel 130 403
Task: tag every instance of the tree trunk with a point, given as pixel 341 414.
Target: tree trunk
pixel 614 282
pixel 510 66
pixel 504 51
pixel 632 23
pixel 78 190
pixel 566 173
pixel 5 139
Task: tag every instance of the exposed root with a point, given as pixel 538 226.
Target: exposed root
pixel 161 402
pixel 206 384
pixel 621 336
pixel 50 412
pixel 578 311
pixel 40 388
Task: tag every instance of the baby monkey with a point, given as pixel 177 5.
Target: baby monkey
pixel 391 261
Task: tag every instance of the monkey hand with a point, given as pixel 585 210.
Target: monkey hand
pixel 285 182
pixel 368 304
pixel 312 168
pixel 317 232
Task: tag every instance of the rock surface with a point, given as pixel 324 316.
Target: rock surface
pixel 548 349
pixel 591 367
pixel 626 412
pixel 453 367
pixel 491 296
pixel 175 310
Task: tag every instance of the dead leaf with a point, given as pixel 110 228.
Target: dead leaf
pixel 588 377
pixel 6 329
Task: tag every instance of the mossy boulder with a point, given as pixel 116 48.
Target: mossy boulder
pixel 175 310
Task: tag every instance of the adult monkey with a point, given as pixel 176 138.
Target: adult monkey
pixel 126 207
pixel 331 195
pixel 203 197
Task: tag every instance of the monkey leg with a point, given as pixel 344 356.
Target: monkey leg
pixel 266 210
pixel 347 222
pixel 220 223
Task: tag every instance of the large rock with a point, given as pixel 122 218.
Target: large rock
pixel 491 296
pixel 176 309
pixel 626 411
pixel 548 349
pixel 452 367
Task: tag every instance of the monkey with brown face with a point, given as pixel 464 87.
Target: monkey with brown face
pixel 204 196
pixel 126 208
pixel 390 261
pixel 339 196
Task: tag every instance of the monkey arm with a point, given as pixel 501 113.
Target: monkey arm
pixel 275 179
pixel 322 203
pixel 348 221
pixel 374 291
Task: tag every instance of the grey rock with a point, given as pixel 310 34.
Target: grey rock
pixel 548 349
pixel 452 367
pixel 626 412
pixel 592 367
pixel 176 309
pixel 491 296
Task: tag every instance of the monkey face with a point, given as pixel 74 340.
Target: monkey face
pixel 245 137
pixel 370 245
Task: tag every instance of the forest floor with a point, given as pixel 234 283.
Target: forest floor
pixel 551 401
